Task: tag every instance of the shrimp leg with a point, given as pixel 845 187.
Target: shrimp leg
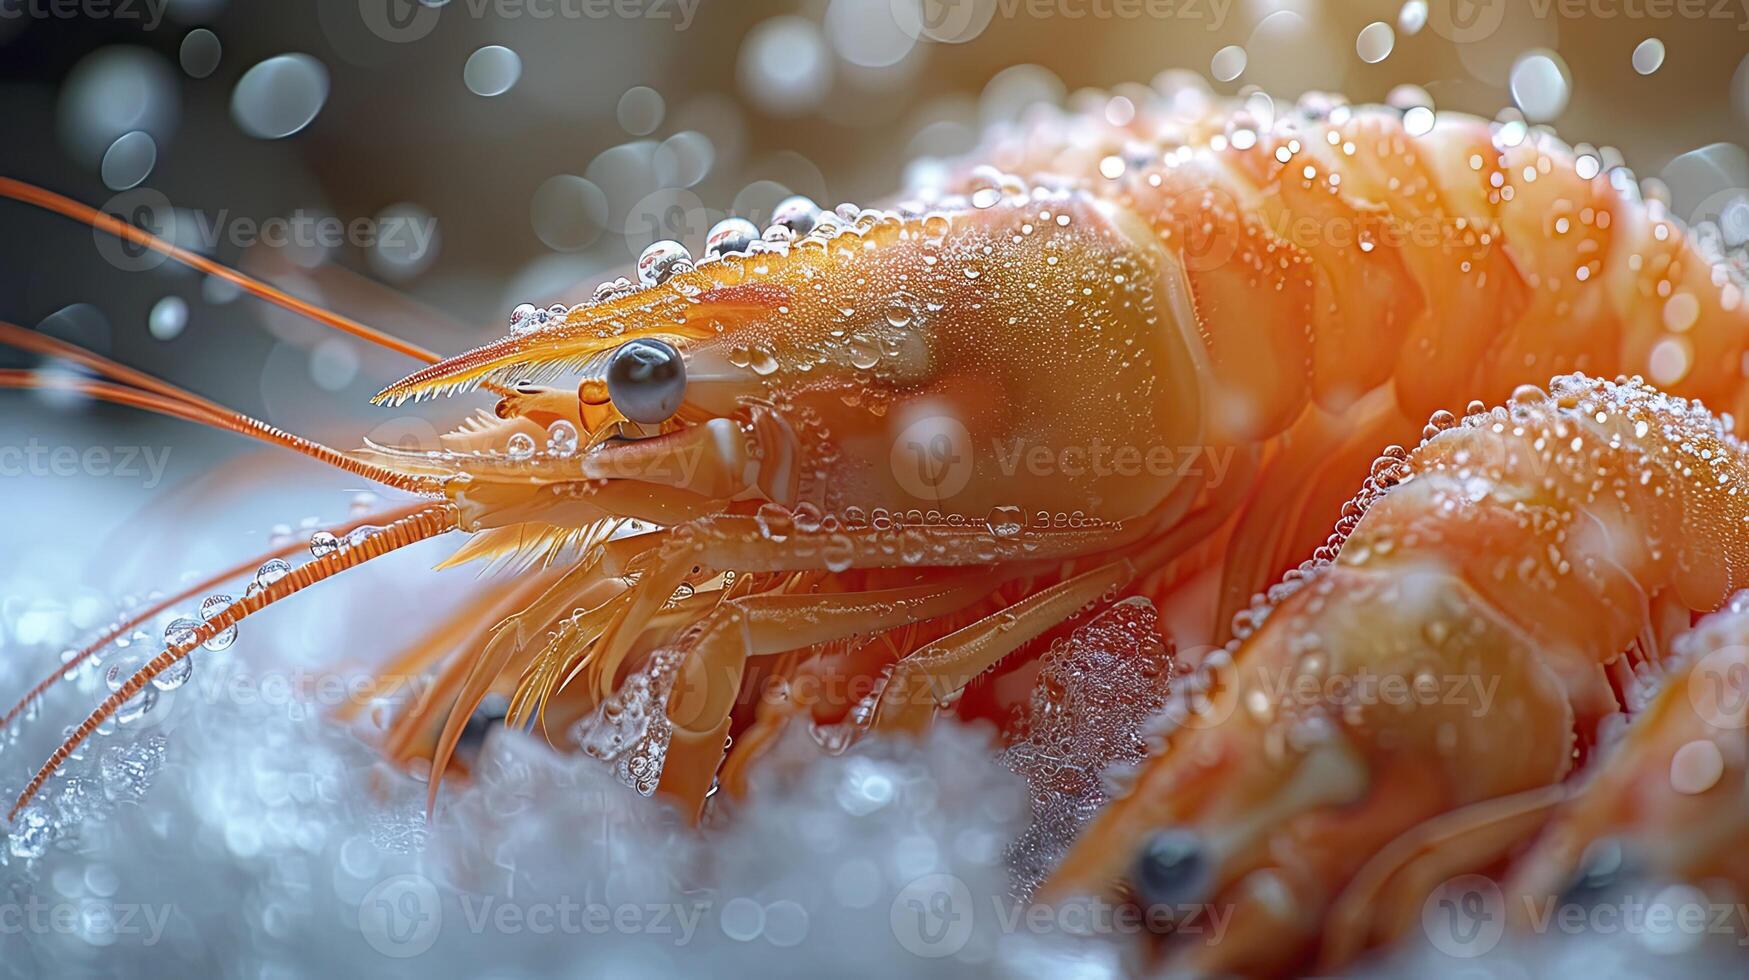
pixel 713 661
pixel 752 626
pixel 935 675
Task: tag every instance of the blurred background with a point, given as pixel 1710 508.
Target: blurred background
pixel 425 166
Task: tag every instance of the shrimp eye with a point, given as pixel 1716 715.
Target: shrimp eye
pixel 1171 869
pixel 646 380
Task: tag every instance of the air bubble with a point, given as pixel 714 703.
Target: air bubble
pixel 561 438
pixel 519 446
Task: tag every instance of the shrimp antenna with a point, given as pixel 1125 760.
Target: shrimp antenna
pixel 238 570
pixel 144 391
pixel 48 200
pixel 418 526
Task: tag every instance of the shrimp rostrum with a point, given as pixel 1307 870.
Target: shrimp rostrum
pixel 903 445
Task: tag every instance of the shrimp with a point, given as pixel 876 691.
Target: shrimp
pixel 905 445
pixel 1670 803
pixel 1451 659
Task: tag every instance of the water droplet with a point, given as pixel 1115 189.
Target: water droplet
pixel 175 675
pixel 179 632
pixel 1006 521
pixel 1419 120
pixel 799 214
pixel 1649 56
pixel 520 445
pixel 762 362
pixel 31 834
pixel 492 70
pixel 1540 85
pixel 662 260
pixel 280 96
pixel 568 212
pixel 138 706
pixel 863 352
pixel 1228 63
pixel 129 160
pixel 117 674
pixel 271 571
pixel 730 236
pixel 211 606
pixel 775 522
pixel 323 543
pixel 1412 17
pixel 640 110
pixel 200 53
pixel 783 65
pixel 1696 767
pixel 1375 42
pixel 561 438
pixel 168 318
